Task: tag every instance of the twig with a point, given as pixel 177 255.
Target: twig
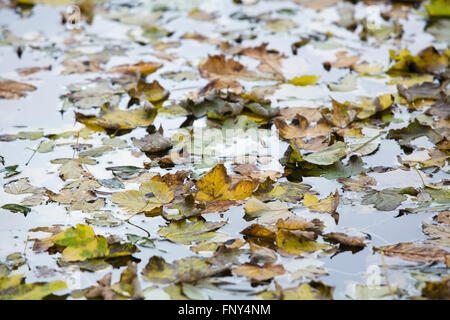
pixel 368 141
pixel 417 170
pixel 135 225
pixel 35 150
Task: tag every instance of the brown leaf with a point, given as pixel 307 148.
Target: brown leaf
pixel 257 273
pixel 28 71
pixel 219 84
pixel 103 290
pixel 300 128
pixel 257 230
pixel 14 90
pixel 295 223
pixel 344 239
pixel 270 61
pixel 143 68
pixel 343 60
pixel 414 252
pixel 227 69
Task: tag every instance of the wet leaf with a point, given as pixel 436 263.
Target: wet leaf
pixel 305 291
pixel 267 213
pixel 289 244
pixel 410 251
pixel 257 273
pixel 186 232
pixel 217 185
pixel 328 155
pixel 228 69
pixel 113 119
pixel 15 288
pixel 328 204
pixel 10 89
pixel 384 200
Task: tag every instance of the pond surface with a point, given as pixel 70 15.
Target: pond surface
pixel 124 33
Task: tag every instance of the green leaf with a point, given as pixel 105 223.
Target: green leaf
pixel 328 155
pixel 384 200
pixel 15 288
pixel 186 232
pixel 14 207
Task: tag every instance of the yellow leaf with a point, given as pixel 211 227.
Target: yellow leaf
pixel 304 80
pixel 217 185
pixel 329 204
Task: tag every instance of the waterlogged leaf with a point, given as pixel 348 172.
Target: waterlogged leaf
pixel 112 183
pixel 224 105
pixel 410 251
pixel 257 273
pixel 343 60
pixel 186 232
pixel 113 119
pixel 140 241
pixel 15 260
pixel 363 182
pixel 190 269
pixel 259 231
pixel 284 191
pixel 228 69
pixel 15 288
pixel 218 185
pixel 268 212
pixel 384 200
pixel 300 128
pixel 180 76
pixel 104 220
pixel 154 92
pixel 151 195
pixel 20 186
pixel 95 152
pixel 328 204
pixel 328 155
pixel 290 244
pixel 10 89
pixel 305 291
pixel 270 60
pixel 345 239
pixel 72 169
pixel 153 143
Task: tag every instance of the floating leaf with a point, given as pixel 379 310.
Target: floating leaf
pixel 186 232
pixel 329 204
pixel 217 185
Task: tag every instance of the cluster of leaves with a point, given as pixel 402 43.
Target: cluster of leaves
pixel 330 141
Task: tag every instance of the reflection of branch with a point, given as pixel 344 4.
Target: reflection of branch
pixel 386 276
